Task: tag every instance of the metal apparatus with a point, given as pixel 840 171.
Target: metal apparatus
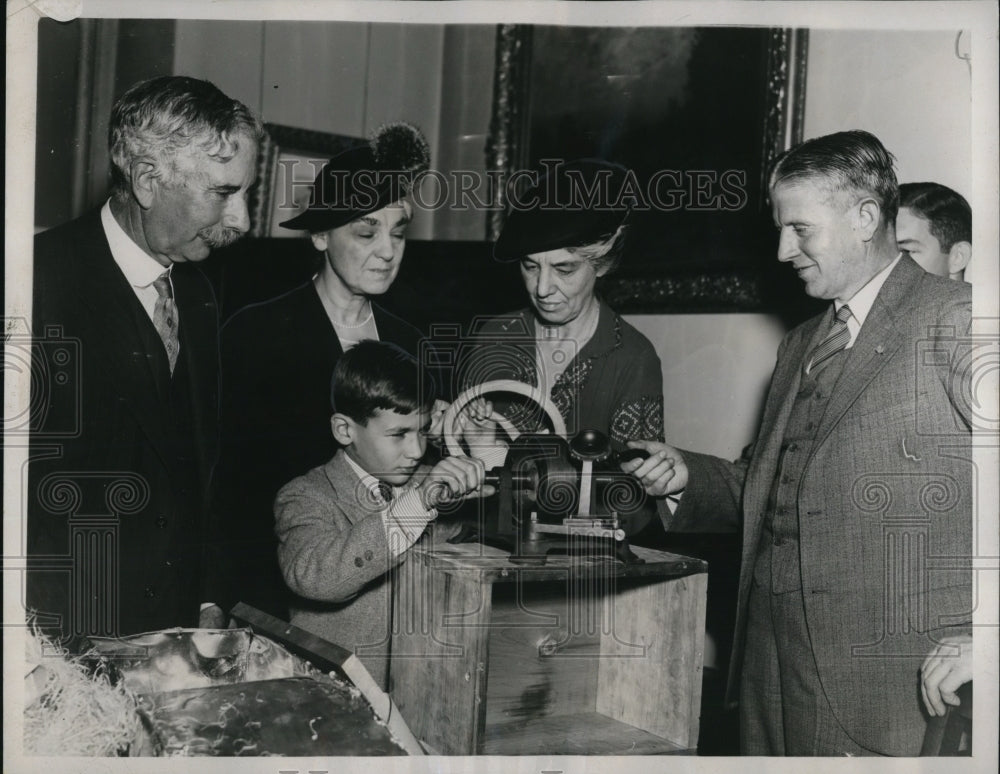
pixel 555 495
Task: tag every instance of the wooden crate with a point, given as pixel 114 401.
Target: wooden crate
pixel 579 656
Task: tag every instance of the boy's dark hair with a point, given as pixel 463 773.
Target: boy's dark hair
pixel 947 211
pixel 376 375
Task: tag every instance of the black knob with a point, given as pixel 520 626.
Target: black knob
pixel 590 445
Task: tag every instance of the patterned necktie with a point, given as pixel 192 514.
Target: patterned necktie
pixel 165 318
pixel 835 340
pixel 385 492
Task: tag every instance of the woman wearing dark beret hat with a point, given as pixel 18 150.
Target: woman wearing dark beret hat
pixel 600 372
pixel 278 356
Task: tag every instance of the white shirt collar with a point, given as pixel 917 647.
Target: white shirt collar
pixel 861 302
pixel 139 268
pixel 371 483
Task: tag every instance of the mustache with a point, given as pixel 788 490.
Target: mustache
pixel 219 236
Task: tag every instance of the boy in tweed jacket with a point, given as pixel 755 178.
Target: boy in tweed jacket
pixel 344 527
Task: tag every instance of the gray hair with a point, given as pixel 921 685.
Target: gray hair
pixel 605 254
pixel 849 161
pixel 155 119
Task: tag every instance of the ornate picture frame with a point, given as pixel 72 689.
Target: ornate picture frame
pixel 288 160
pixel 734 278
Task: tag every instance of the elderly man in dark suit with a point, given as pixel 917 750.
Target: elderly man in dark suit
pixel 121 461
pixel 856 498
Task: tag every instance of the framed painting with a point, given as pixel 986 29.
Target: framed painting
pixel 697 113
pixel 288 161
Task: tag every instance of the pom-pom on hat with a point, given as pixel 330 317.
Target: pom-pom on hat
pixel 365 178
pixel 574 204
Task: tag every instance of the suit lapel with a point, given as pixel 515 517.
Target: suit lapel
pixel 343 479
pixel 120 322
pixel 315 318
pixel 880 337
pixel 396 331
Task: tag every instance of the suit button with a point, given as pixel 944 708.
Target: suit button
pixel 785 478
pixel 359 562
pixel 793 446
pixel 148 592
pixel 161 522
pixel 778 541
pixel 369 555
pixel 810 425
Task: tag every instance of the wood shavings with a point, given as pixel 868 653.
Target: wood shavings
pixel 353 691
pixel 77 712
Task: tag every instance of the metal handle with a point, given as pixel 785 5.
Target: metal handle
pixel 498 385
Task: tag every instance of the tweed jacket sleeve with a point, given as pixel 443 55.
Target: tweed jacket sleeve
pixel 331 542
pixel 711 500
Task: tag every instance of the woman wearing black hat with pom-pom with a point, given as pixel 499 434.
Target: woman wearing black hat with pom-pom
pixel 278 356
pixel 601 373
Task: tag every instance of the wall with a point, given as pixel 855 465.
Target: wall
pixel 239 73
pixel 466 106
pixel 351 78
pixel 907 88
pixel 83 67
pixel 55 152
pixel 715 372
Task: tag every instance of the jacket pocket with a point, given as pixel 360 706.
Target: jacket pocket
pixel 940 607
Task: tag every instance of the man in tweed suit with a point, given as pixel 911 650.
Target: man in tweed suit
pixel 345 527
pixel 856 497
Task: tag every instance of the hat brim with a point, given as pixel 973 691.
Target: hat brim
pixel 527 232
pixel 316 219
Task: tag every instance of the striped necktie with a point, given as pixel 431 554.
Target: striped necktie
pixel 835 340
pixel 165 318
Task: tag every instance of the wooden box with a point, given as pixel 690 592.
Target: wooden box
pixel 580 656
